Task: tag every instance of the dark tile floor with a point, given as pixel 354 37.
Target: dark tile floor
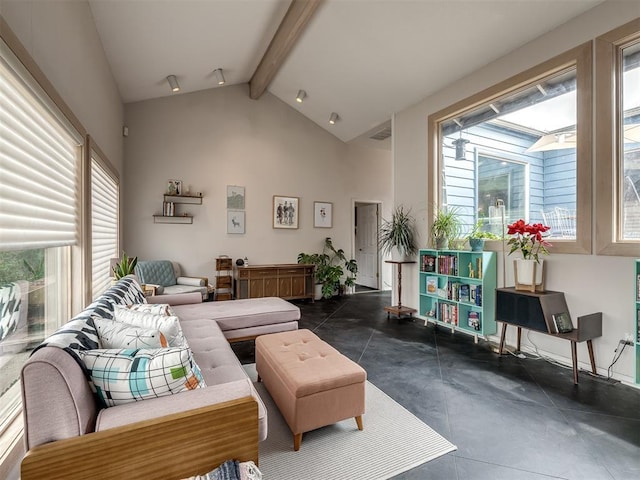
pixel 510 418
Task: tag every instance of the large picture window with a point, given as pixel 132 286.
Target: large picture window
pixel 40 164
pixel 519 150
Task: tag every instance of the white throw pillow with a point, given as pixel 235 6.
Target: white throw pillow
pixel 169 326
pixel 157 308
pixel 129 375
pixel 113 334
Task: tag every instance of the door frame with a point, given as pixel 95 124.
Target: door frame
pixel 353 233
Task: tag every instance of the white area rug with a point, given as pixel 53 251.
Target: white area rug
pixel 393 441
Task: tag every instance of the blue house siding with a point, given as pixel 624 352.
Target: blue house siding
pixel 551 175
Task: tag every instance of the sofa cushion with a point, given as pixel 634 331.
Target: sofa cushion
pixel 159 407
pixel 168 325
pixel 181 289
pixel 129 375
pixel 114 334
pixel 159 272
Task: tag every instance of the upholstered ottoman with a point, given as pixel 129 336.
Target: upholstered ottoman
pixel 312 383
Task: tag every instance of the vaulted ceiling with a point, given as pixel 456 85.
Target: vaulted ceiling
pixel 363 59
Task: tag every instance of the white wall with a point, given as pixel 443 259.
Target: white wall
pixel 591 283
pixel 62 39
pixel 219 137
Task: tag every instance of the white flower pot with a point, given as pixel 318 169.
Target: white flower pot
pixel 398 256
pixel 529 275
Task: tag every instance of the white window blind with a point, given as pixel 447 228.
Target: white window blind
pixel 104 226
pixel 39 155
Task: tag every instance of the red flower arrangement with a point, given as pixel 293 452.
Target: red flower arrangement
pixel 528 239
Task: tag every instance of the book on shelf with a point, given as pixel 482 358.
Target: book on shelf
pixel 473 320
pixel 428 263
pixel 464 293
pixel 638 288
pixel 432 285
pixel 479 295
pixel 562 322
pixel 472 293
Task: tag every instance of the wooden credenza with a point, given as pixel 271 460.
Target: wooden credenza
pixel 288 281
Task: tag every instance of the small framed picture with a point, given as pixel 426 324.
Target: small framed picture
pixel 285 212
pixel 322 214
pixel 235 221
pixel 235 197
pixel 174 187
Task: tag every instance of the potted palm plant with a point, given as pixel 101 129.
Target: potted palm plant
pixel 398 236
pixel 445 227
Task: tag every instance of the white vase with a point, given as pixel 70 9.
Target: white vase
pixel 529 275
pixel 317 291
pixel 398 256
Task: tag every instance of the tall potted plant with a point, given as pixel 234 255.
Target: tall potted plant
pixel 398 236
pixel 445 227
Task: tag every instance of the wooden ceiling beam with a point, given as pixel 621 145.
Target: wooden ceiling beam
pixel 292 25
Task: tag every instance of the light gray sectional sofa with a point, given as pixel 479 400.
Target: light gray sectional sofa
pixel 58 400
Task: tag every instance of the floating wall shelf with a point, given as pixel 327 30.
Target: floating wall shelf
pixel 192 199
pixel 184 219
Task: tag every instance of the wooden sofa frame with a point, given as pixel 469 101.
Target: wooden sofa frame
pixel 172 447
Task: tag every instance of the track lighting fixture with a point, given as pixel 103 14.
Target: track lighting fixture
pixel 333 118
pixel 301 96
pixel 219 76
pixel 173 83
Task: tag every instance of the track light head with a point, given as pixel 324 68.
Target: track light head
pixel 173 83
pixel 219 76
pixel 333 118
pixel 301 96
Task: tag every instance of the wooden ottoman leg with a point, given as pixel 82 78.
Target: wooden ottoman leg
pixel 297 439
pixel 359 422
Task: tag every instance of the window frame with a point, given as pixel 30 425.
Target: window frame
pixel 608 53
pixel 579 58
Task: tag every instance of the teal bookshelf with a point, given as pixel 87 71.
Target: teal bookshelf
pixel 458 290
pixel 636 337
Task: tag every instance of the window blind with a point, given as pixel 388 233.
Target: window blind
pixel 39 158
pixel 104 226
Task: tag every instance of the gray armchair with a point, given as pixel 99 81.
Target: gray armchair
pixel 166 278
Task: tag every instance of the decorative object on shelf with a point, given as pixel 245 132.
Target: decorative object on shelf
pixel 174 187
pixel 477 237
pixel 527 238
pixel 245 262
pixel 445 227
pixel 239 262
pixel 322 214
pixel 329 268
pixel 235 197
pixel 398 235
pixel 235 221
pixel 285 212
pixel 126 266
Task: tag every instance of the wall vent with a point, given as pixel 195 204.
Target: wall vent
pixel 382 134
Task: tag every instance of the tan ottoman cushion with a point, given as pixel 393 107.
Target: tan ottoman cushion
pixel 311 382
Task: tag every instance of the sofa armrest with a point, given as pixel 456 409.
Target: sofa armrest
pixel 193 281
pixel 177 299
pixel 204 437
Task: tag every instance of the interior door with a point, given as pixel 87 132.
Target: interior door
pixel 366 242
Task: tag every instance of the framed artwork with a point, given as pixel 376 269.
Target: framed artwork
pixel 322 214
pixel 174 187
pixel 235 197
pixel 235 221
pixel 285 211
